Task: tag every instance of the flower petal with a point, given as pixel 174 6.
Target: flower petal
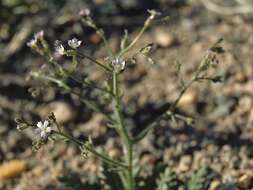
pixel 46 123
pixel 43 134
pixel 40 125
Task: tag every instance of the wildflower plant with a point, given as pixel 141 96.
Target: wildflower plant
pixel 113 66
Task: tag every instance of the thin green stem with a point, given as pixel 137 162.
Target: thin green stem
pixel 130 167
pixel 84 56
pixel 89 84
pixel 123 132
pixel 171 109
pixel 101 35
pixel 117 106
pixel 68 89
pixel 173 106
pixel 143 29
pixel 92 150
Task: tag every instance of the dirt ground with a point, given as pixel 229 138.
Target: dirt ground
pixel 221 136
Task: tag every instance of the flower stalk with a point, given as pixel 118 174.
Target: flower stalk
pixel 86 146
pixel 121 128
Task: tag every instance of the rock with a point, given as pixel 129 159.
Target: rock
pixel 95 127
pixel 147 159
pixel 92 165
pixel 214 185
pixel 114 153
pixel 244 181
pixel 164 38
pixel 94 38
pixel 185 163
pixel 188 99
pixel 62 111
pixel 240 77
pixel 12 169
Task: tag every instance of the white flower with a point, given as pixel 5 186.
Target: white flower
pixel 84 12
pixel 43 129
pixel 74 43
pixel 19 127
pixel 32 43
pixel 118 64
pixel 39 35
pixel 59 47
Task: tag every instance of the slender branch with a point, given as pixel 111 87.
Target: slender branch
pixel 69 90
pixel 101 35
pixel 171 109
pixel 143 29
pixel 92 150
pixel 90 85
pixel 84 56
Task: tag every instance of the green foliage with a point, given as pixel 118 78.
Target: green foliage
pixel 200 180
pixel 74 182
pixel 167 180
pixel 112 178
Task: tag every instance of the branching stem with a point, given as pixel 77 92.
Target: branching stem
pixel 91 149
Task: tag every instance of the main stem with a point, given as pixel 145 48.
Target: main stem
pixel 121 128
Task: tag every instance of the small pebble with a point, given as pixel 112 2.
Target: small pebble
pixel 215 185
pixel 62 111
pixel 245 180
pixel 163 38
pixel 188 99
pixel 11 169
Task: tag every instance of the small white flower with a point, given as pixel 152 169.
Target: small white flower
pixel 118 64
pixel 74 43
pixel 39 35
pixel 19 127
pixel 84 12
pixel 32 43
pixel 59 47
pixel 43 129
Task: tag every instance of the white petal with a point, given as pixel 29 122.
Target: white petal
pixel 123 65
pixel 43 134
pixel 39 124
pixel 46 123
pixel 74 43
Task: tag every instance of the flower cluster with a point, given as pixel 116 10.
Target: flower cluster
pixel 73 43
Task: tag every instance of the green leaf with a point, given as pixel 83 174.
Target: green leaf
pixel 142 134
pixel 112 178
pixel 167 180
pixel 124 42
pixel 200 180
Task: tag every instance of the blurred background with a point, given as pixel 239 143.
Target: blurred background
pixel 222 135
